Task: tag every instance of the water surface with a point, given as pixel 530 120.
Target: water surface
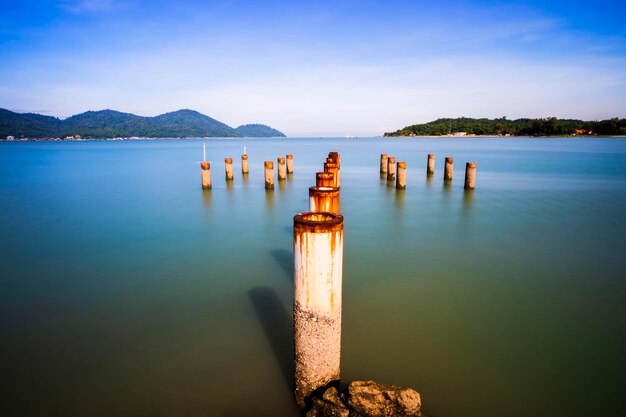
pixel 125 289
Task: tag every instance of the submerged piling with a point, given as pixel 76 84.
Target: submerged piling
pixel 269 175
pixel 383 163
pixel 244 164
pixel 430 167
pixel 228 168
pixel 470 175
pixel 447 171
pixel 324 199
pixel 318 253
pixel 282 169
pixel 324 179
pixel 289 164
pixel 205 171
pixel 401 177
pixel 391 168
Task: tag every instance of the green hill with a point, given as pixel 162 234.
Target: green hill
pixel 521 127
pixel 111 123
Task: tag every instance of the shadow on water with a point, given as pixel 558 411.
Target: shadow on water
pixel 447 187
pixel 207 199
pixel 278 328
pixel 400 199
pixel 245 178
pixel 285 260
pixel 468 201
pixel 269 201
pixel 282 184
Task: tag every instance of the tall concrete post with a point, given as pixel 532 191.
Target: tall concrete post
pixel 383 163
pixel 324 179
pixel 336 158
pixel 269 175
pixel 470 175
pixel 228 168
pixel 324 199
pixel 391 168
pixel 430 167
pixel 244 164
pixel 282 169
pixel 318 259
pixel 289 164
pixel 448 168
pixel 332 167
pixel 401 176
pixel 205 171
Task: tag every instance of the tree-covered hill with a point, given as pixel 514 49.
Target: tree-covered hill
pixel 110 123
pixel 521 127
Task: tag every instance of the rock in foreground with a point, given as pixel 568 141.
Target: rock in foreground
pixel 367 399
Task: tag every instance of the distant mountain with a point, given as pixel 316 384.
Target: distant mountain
pixel 111 123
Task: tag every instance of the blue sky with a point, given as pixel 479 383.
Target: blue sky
pixel 312 68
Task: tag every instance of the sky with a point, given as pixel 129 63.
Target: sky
pixel 316 68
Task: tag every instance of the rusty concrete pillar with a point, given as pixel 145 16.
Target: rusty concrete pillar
pixel 324 179
pixel 318 259
pixel 269 175
pixel 324 199
pixel 289 164
pixel 332 167
pixel 447 171
pixel 282 169
pixel 391 168
pixel 383 163
pixel 228 168
pixel 401 176
pixel 205 170
pixel 336 158
pixel 244 164
pixel 430 167
pixel 470 175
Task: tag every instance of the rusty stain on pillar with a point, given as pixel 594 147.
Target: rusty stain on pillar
pixel 318 259
pixel 448 168
pixel 324 199
pixel 205 170
pixel 282 169
pixel 228 168
pixel 383 163
pixel 269 175
pixel 430 167
pixel 244 164
pixel 336 158
pixel 470 175
pixel 391 168
pixel 324 179
pixel 289 164
pixel 332 167
pixel 401 176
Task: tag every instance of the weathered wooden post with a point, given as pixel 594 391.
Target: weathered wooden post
pixel 333 167
pixel 228 168
pixel 289 164
pixel 244 164
pixel 318 258
pixel 383 163
pixel 324 199
pixel 205 171
pixel 470 175
pixel 391 168
pixel 430 167
pixel 447 171
pixel 401 177
pixel 282 169
pixel 269 175
pixel 324 179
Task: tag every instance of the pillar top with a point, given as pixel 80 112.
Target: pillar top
pixel 322 190
pixel 269 164
pixel 228 160
pixel 281 160
pixel 205 165
pixel 289 156
pixel 449 159
pixel 318 222
pixel 471 164
pixel 431 155
pixel 391 158
pixel 402 164
pixel 244 156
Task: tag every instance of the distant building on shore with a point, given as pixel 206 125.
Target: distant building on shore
pixel 10 137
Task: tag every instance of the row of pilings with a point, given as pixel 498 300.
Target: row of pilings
pixel 396 171
pixel 285 166
pixel 318 264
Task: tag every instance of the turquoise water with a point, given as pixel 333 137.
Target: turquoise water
pixel 127 290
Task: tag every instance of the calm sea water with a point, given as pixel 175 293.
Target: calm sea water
pixel 127 290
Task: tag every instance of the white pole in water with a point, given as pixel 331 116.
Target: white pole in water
pixel 244 150
pixel 204 152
